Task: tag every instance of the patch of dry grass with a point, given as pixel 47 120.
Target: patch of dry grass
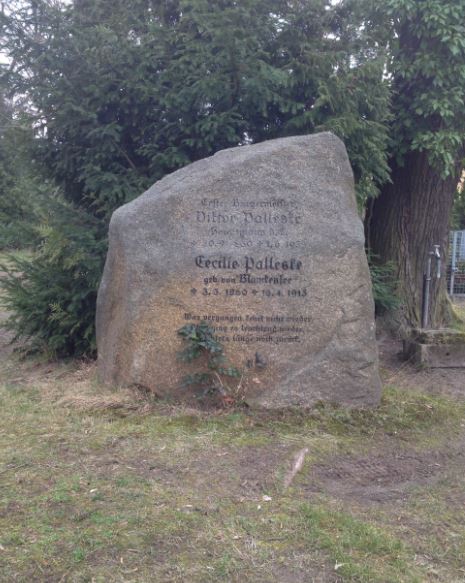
pixel 458 307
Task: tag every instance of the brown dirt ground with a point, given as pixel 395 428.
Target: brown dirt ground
pixel 385 475
pixel 396 371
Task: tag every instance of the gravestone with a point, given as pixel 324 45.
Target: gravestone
pixel 262 242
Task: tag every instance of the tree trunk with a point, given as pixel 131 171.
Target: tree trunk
pixel 410 216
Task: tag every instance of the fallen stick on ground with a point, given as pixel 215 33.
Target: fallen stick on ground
pixel 296 467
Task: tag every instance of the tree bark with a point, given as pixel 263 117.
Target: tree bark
pixel 410 216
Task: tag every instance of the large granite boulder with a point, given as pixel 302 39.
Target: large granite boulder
pixel 264 243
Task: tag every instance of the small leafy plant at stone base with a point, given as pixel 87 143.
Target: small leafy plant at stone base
pixel 201 343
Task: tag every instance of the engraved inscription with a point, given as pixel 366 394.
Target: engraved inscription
pixel 267 235
pixel 254 328
pixel 243 223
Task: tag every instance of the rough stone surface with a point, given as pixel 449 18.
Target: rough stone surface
pixel 437 336
pixel 265 243
pixel 442 348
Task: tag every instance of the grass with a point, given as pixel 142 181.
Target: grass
pixel 359 550
pixel 108 494
pixel 458 311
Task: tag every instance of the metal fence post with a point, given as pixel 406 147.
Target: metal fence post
pixel 453 266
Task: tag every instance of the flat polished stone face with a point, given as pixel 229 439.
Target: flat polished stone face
pixel 264 243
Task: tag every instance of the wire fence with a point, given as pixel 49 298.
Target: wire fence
pixel 456 264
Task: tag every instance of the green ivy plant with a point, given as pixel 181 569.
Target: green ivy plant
pixel 200 343
pixel 384 284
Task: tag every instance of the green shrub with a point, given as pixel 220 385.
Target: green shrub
pixel 22 187
pixel 384 284
pixel 21 204
pixel 51 295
